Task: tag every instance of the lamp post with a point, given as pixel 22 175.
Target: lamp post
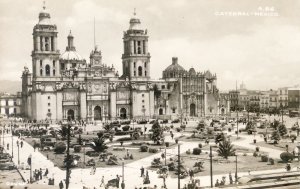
pixel 211 168
pixel 123 184
pixel 83 154
pixel 12 141
pixel 18 152
pixel 236 172
pixel 144 110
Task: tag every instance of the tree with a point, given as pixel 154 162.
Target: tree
pixel 226 149
pixel 63 131
pixel 282 130
pixel 275 136
pixel 275 124
pixel 99 144
pixel 157 132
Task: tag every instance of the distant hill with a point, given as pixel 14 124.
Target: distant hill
pixel 10 86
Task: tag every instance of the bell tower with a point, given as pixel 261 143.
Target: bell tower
pixel 45 55
pixel 136 58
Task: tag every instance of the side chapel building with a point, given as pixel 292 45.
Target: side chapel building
pixel 63 85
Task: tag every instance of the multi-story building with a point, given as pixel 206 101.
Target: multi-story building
pixel 264 101
pixel 254 101
pixel 63 86
pixel 234 99
pixel 10 104
pixel 273 100
pixel 244 97
pixel 294 99
pixel 283 97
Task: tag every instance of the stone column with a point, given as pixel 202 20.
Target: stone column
pixel 37 40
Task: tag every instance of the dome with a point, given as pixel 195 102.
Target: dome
pixel 135 23
pixel 174 67
pixel 44 17
pixel 70 55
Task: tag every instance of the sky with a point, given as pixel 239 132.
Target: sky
pixel 261 51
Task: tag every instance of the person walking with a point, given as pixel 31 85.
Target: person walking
pixel 21 144
pixel 61 185
pixel 102 181
pixel 118 181
pixel 142 171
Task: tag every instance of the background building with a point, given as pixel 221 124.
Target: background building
pixel 10 105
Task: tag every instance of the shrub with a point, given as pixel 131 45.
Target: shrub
pixel 244 154
pixel 197 151
pixel 271 160
pixel 188 152
pixel 153 150
pixel 60 147
pixel 226 149
pixel 178 129
pixel 167 144
pixel 200 145
pixel 144 148
pixel 36 145
pixel 293 136
pixel 257 149
pixel 264 158
pixel 77 148
pixel 126 128
pixel 286 156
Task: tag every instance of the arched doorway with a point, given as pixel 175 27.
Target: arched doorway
pixel 97 113
pixel 161 111
pixel 192 110
pixel 47 68
pixel 140 71
pixel 70 114
pixel 123 113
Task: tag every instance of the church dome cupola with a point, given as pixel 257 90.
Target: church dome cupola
pixel 135 23
pixel 174 70
pixel 70 53
pixel 44 17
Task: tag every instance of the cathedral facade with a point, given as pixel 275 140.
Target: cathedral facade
pixel 64 85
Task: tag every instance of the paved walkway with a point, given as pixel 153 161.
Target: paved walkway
pixel 82 177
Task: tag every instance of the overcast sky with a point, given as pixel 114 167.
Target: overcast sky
pixel 262 51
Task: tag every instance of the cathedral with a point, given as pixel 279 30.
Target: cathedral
pixel 65 85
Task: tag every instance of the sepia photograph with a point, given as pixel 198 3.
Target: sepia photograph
pixel 149 94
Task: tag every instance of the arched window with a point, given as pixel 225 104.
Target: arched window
pixel 134 64
pixel 46 43
pixel 140 71
pixel 53 72
pixel 145 73
pixel 47 68
pixel 41 72
pixel 145 64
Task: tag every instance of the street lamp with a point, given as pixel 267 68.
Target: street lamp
pixel 12 141
pixel 18 152
pixel 236 171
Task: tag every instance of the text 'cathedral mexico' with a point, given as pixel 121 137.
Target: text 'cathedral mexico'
pixel 65 85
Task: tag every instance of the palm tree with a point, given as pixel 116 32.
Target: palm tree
pixel 99 144
pixel 63 132
pixel 226 149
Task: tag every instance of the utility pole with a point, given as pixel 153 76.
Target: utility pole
pixel 12 141
pixel 236 177
pixel 211 168
pixel 179 166
pixel 18 152
pixel 68 159
pixel 123 184
pixel 237 113
pixel 165 155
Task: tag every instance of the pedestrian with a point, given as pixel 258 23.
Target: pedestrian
pixel 288 167
pixel 102 181
pixel 61 185
pixel 46 172
pixel 142 171
pixel 118 181
pixel 7 146
pixel 41 174
pixel 230 178
pixel 217 183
